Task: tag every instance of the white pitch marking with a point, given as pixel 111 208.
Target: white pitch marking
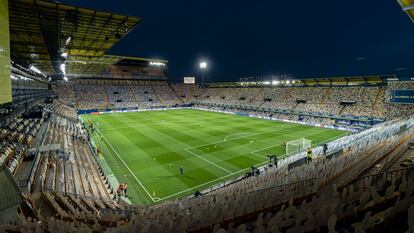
pixel 164 122
pixel 139 182
pixel 229 136
pixel 221 141
pixel 211 181
pixel 208 161
pixel 157 199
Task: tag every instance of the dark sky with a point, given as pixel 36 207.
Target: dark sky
pixel 257 38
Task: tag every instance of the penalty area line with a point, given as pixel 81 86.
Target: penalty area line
pixel 207 161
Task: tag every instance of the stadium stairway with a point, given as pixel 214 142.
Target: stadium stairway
pixel 342 110
pixel 157 95
pixel 105 93
pixel 176 94
pixel 377 97
pixel 134 96
pixel 326 96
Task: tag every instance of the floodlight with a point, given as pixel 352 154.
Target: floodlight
pixel 63 68
pixel 287 82
pixel 203 65
pixel 154 63
pixel 33 68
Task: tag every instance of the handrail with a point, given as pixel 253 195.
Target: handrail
pixel 33 169
pixel 94 198
pixel 389 175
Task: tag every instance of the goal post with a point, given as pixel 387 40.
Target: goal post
pixel 298 145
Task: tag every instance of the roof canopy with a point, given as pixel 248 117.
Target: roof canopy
pixel 408 7
pixel 47 34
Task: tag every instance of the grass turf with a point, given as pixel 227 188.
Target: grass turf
pixel 146 149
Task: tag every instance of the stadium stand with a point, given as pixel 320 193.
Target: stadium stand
pixel 53 178
pixel 370 186
pixel 317 105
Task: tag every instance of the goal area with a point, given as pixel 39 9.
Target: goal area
pixel 298 145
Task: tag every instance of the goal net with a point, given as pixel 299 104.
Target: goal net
pixel 297 146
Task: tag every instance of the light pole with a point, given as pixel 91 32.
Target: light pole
pixel 203 66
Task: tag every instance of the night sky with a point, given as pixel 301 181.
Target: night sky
pixel 259 38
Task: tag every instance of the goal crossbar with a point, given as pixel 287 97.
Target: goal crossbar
pixel 297 146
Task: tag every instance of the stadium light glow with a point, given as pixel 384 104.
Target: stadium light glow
pixel 65 55
pixel 275 82
pixel 154 63
pixel 266 83
pixel 203 65
pixel 33 68
pixel 63 68
pixel 287 81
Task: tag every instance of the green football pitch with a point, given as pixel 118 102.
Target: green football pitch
pixel 147 149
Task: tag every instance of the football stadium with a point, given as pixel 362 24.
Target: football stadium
pixel 91 141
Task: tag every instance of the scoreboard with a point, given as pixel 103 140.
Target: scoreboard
pixel 401 96
pixel 189 80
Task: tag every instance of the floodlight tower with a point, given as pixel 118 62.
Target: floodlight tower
pixel 203 66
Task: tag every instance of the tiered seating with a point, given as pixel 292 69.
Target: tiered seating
pixel 368 101
pixel 307 99
pixel 280 199
pixel 66 93
pixel 121 97
pixel 356 208
pixel 166 94
pixel 16 138
pixel 186 92
pixel 91 97
pixel 71 169
pixel 145 95
pixel 63 110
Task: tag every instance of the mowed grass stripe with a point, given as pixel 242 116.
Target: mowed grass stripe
pixel 163 135
pixel 158 171
pixel 151 171
pixel 171 143
pixel 231 149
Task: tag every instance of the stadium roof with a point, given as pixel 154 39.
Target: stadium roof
pixel 47 34
pixel 408 7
